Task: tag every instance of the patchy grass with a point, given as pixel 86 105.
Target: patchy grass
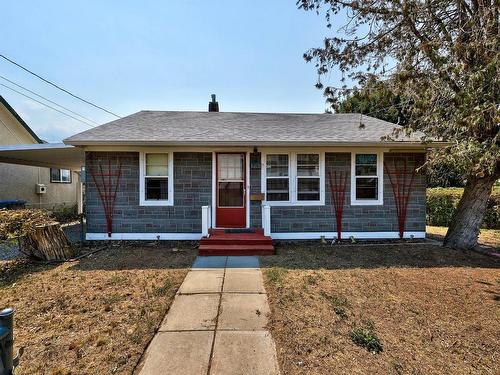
pixel 275 274
pixel 488 237
pixel 421 308
pixel 92 316
pixel 364 335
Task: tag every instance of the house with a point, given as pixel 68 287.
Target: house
pixel 41 187
pixel 177 175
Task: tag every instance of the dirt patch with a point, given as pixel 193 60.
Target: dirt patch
pixel 96 315
pixel 418 309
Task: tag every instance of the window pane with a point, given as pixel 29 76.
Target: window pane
pixel 366 165
pixel 307 165
pixel 366 170
pixel 65 175
pixel 230 166
pixel 277 165
pixel 230 194
pixel 366 188
pixel 277 189
pixel 308 189
pixel 55 174
pixel 156 164
pixel 156 188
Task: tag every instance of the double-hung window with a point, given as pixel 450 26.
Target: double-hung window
pixel 294 178
pixel 366 179
pixel 308 177
pixel 277 178
pixel 156 179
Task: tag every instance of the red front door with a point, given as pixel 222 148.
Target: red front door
pixel 230 186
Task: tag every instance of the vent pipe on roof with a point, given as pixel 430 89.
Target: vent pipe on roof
pixel 213 106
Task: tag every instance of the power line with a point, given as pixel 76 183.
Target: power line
pixel 59 87
pixel 48 100
pixel 46 105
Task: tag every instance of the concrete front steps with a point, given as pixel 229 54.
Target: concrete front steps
pixel 222 242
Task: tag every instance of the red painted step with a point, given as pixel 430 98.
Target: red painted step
pixel 248 243
pixel 236 241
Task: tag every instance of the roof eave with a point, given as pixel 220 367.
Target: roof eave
pixel 394 144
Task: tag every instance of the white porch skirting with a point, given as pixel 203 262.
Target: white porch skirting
pixel 275 236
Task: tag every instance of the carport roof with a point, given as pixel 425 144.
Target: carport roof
pixel 55 155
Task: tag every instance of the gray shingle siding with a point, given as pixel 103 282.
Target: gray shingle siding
pixel 193 189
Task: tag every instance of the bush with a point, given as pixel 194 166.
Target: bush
pixel 65 214
pixel 442 202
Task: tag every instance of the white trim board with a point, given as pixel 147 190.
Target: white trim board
pixel 143 236
pixel 345 235
pixel 275 236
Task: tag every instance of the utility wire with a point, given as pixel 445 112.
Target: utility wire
pixel 46 105
pixel 48 100
pixel 59 87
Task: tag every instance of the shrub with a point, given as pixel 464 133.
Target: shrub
pixel 442 202
pixel 65 214
pixel 365 336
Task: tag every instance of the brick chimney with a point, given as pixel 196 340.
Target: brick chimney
pixel 213 106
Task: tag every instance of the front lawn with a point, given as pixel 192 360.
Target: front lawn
pixel 96 315
pixel 384 309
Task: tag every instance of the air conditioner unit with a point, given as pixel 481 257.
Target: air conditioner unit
pixel 41 189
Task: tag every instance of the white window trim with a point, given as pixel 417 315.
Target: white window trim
pixel 142 173
pixel 380 175
pixel 292 175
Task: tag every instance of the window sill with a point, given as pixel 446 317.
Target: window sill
pixel 367 203
pixel 156 203
pixel 293 204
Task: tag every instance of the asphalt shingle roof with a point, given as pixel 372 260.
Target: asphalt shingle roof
pixel 231 128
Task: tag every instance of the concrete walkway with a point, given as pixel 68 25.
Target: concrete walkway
pixel 216 324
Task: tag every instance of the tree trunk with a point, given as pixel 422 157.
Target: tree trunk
pixel 47 242
pixel 466 221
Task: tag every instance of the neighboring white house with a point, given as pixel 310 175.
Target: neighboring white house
pixel 21 182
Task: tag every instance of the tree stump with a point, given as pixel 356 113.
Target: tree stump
pixel 47 242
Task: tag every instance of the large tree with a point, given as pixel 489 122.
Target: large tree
pixel 444 57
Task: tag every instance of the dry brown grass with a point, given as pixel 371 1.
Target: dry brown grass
pixel 92 316
pixel 434 310
pixel 488 237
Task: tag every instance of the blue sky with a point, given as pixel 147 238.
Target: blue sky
pixel 168 55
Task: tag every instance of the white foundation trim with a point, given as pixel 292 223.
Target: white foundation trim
pixel 345 235
pixel 275 236
pixel 143 236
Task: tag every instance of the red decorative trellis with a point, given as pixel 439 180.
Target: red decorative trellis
pixel 402 189
pixel 107 187
pixel 338 183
